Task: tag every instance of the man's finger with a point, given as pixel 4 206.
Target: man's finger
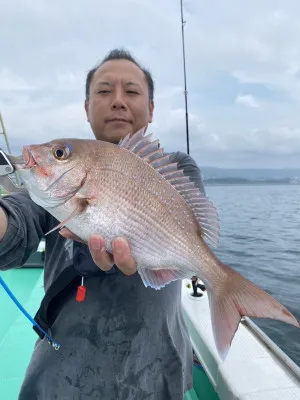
pixel 122 256
pixel 99 254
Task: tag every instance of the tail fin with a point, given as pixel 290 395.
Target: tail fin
pixel 237 297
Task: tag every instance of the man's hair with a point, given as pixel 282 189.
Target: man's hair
pixel 119 54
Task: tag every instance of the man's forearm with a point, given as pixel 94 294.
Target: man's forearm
pixel 3 223
pixel 22 226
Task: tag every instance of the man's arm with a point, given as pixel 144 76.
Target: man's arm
pixel 22 226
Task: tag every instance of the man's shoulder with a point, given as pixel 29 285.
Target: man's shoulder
pixel 179 156
pixel 182 158
pixel 189 166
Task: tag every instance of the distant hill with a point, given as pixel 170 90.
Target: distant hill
pixel 247 175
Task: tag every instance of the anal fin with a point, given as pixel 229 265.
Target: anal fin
pixel 158 278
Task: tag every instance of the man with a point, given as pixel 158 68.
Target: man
pixel 124 341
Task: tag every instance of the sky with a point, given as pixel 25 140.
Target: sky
pixel 243 73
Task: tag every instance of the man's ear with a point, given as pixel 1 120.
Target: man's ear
pixel 86 107
pixel 151 109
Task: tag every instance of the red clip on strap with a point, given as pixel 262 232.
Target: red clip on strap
pixel 81 291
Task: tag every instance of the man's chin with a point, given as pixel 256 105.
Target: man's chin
pixel 115 134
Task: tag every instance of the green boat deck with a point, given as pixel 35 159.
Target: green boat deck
pixel 17 337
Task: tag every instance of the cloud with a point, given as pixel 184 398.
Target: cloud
pixel 243 72
pixel 246 100
pixel 11 82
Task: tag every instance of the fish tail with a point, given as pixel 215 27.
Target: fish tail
pixel 235 297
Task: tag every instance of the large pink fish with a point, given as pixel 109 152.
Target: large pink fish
pixel 133 190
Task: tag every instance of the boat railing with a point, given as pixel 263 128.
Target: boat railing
pixel 281 356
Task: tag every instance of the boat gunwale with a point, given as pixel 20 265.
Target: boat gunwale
pixel 275 350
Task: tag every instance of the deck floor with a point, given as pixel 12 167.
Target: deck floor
pixel 17 337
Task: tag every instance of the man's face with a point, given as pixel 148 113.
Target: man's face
pixel 119 101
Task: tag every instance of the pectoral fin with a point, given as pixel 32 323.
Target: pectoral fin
pixel 82 204
pixel 158 278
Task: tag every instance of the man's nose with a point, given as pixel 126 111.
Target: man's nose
pixel 118 102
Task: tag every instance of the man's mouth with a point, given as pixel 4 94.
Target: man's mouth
pixel 116 119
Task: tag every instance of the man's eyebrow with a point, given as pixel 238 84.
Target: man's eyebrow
pixel 132 84
pixel 109 84
pixel 105 83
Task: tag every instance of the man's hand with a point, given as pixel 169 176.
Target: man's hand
pixel 3 223
pixel 120 252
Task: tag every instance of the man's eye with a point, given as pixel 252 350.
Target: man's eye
pixel 132 92
pixel 104 91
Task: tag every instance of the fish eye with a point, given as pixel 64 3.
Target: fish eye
pixel 62 152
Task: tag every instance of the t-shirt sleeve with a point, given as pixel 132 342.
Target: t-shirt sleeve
pixel 26 227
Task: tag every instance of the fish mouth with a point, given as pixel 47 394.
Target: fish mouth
pixel 28 158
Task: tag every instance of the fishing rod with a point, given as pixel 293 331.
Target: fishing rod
pixel 183 22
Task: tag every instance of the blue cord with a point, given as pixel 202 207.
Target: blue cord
pixel 22 309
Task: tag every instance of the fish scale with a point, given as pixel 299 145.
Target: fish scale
pixel 134 190
pixel 122 212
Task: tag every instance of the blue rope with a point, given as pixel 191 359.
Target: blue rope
pixel 22 309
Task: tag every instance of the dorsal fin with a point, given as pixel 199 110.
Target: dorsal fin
pixel 150 151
